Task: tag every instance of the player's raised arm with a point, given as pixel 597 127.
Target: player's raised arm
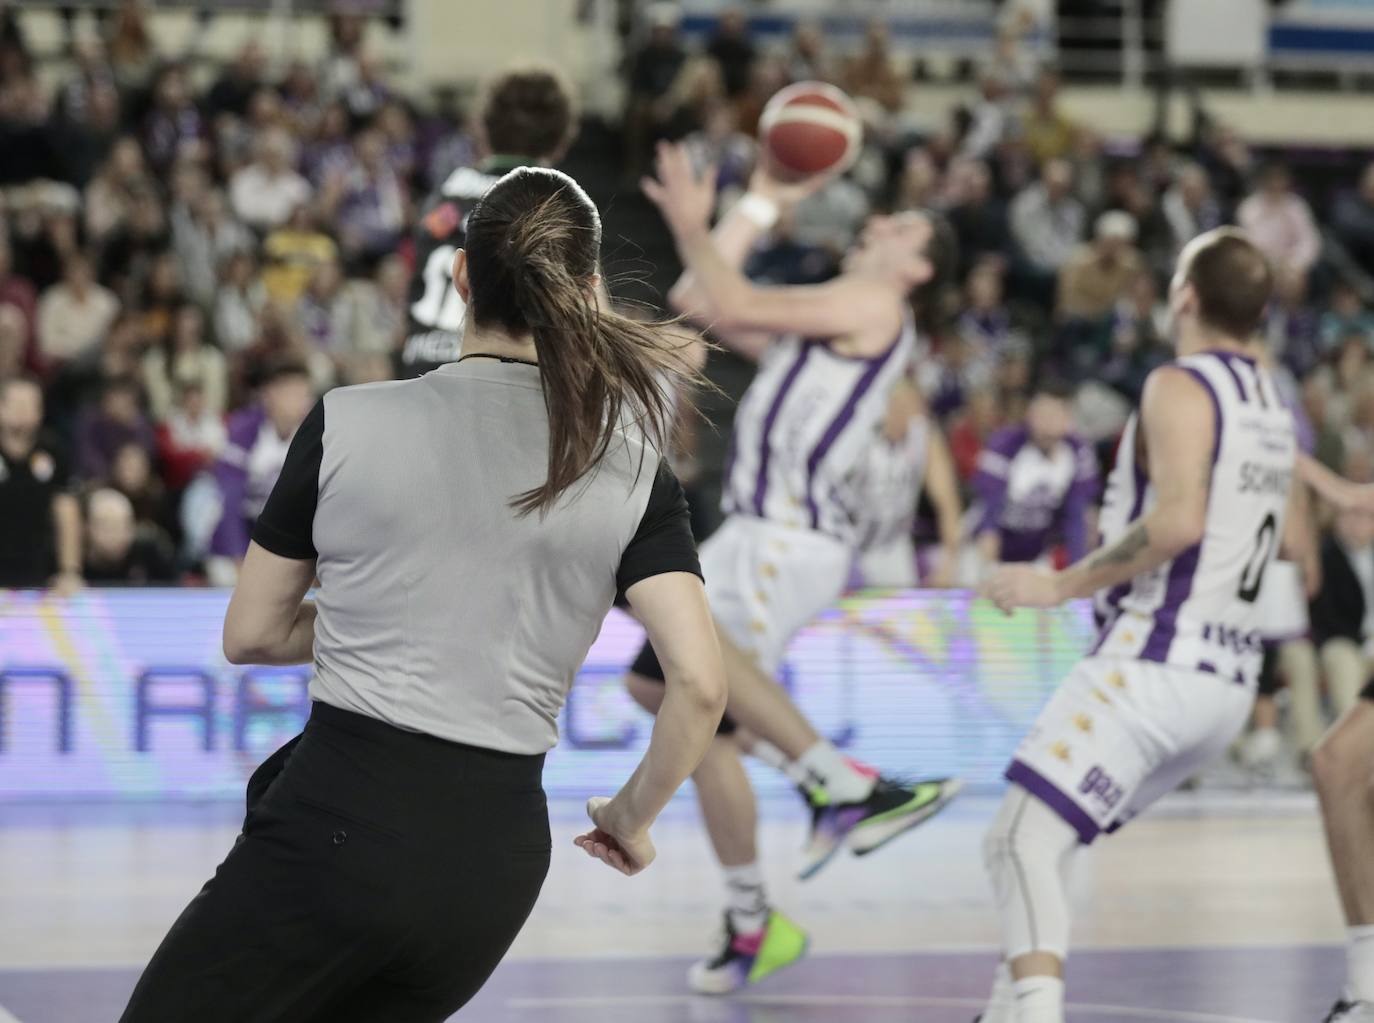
pixel 1178 421
pixel 715 292
pixel 1333 488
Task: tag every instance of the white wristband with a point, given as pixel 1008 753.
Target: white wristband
pixel 759 210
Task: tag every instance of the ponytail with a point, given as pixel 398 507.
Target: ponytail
pixel 600 371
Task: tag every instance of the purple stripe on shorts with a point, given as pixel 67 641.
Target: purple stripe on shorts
pixel 1021 773
pixel 836 427
pixel 1180 581
pixel 761 484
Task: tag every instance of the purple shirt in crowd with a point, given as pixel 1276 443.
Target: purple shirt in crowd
pixel 245 471
pixel 1033 498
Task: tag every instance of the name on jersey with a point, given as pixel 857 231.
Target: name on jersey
pixel 1257 478
pixel 1228 637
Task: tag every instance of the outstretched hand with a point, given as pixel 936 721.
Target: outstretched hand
pixel 1013 586
pixel 610 843
pixel 787 193
pixel 685 196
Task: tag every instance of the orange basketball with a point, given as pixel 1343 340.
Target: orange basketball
pixel 809 128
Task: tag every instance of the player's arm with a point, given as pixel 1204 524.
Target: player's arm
pixel 722 297
pixel 1177 416
pixel 942 486
pixel 1339 491
pixel 1299 543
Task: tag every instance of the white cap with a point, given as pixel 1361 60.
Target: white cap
pixel 1115 224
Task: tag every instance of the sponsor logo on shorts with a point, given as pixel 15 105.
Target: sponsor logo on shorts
pixel 1098 784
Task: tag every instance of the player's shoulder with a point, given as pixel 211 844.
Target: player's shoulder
pixel 365 399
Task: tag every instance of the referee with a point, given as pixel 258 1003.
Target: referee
pixel 469 530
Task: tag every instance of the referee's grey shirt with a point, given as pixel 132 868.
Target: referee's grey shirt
pixel 441 610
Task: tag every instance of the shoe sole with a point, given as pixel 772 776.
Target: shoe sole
pixel 879 835
pixel 810 871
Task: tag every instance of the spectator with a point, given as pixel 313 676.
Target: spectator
pixel 301 102
pixel 1139 338
pixel 186 358
pixel 18 293
pixel 368 91
pixel 872 74
pixel 331 150
pixel 264 193
pixel 246 470
pixel 74 315
pixel 720 144
pixel 239 301
pixel 160 297
pixel 1352 221
pixel 653 69
pixel 990 117
pixel 174 125
pixel 1047 221
pixel 368 204
pixel 127 258
pixel 14 346
pixel 374 314
pixel 1098 274
pixel 115 422
pixel 971 429
pixel 1328 444
pixel 235 86
pixel 132 55
pixel 117 553
pixel 190 438
pixel 110 194
pixel 977 215
pixel 40 521
pixel 1046 131
pixel 807 61
pixel 1189 207
pixel 398 133
pixel 203 237
pixel 1347 317
pixel 698 89
pixel 985 323
pixel 732 49
pixel 291 255
pixel 1035 484
pixel 132 475
pixel 1279 221
pixel 1291 324
pixel 320 312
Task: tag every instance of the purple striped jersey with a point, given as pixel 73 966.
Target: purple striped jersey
pixel 802 428
pixel 1200 611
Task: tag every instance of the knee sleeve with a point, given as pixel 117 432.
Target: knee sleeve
pixel 1028 852
pixel 646 666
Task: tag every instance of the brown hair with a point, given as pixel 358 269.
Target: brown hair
pixel 533 245
pixel 1233 281
pixel 528 113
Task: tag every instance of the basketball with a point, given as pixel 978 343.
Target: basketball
pixel 809 128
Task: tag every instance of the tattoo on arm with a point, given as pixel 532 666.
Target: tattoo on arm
pixel 1136 539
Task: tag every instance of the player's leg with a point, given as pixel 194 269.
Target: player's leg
pixel 1345 671
pixel 1343 768
pixel 757 939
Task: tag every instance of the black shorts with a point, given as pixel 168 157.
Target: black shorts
pixel 646 665
pixel 355 891
pixel 1269 670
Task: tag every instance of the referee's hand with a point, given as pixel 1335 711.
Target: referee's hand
pixel 612 844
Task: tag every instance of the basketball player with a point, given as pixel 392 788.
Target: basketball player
pixel 527 119
pixel 1343 769
pixel 1194 511
pixel 828 356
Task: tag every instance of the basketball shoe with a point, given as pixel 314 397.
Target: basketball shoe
pixel 891 808
pixel 748 958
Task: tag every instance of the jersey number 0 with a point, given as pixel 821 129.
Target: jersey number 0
pixel 440 307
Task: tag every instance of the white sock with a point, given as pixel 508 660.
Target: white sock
pixel 1001 1007
pixel 844 783
pixel 776 758
pixel 1360 959
pixel 1039 1000
pixel 745 900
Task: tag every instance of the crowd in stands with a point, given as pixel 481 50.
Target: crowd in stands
pixel 185 264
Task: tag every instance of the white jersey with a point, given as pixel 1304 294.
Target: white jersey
pixel 1200 610
pixel 886 484
pixel 802 427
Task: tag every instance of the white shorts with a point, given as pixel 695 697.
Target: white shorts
pixel 1119 734
pixel 765 581
pixel 1282 603
pixel 891 565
